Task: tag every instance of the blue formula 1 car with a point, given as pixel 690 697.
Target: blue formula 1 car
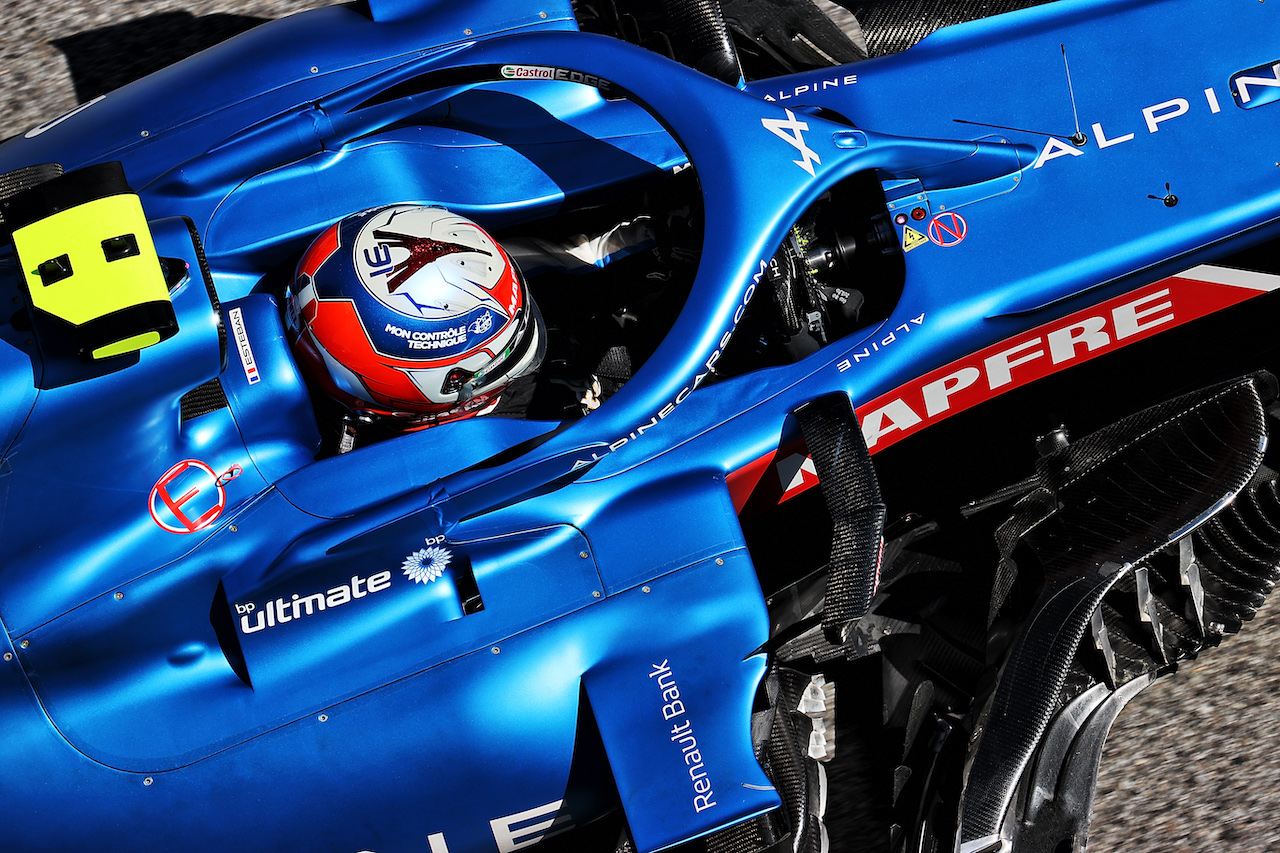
pixel 938 428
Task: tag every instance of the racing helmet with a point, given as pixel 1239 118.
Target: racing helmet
pixel 412 312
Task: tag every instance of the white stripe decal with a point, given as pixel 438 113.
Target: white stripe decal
pixel 1234 278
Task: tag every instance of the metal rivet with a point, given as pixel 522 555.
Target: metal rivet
pixel 719 561
pixel 119 596
pixel 495 650
pixel 583 554
pixel 145 134
pixel 645 590
pixel 467 31
pixel 147 781
pixel 595 593
pixel 8 655
pixel 26 643
pixel 315 70
pixel 542 15
pixel 324 718
pixel 233 528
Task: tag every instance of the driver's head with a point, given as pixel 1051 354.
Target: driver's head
pixel 412 313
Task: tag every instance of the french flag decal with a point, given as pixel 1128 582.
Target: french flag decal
pixel 241 335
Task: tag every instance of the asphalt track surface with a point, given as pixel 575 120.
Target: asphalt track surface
pixel 1192 764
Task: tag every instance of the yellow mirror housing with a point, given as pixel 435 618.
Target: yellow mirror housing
pixel 89 263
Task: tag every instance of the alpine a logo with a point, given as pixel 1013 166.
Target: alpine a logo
pixel 791 132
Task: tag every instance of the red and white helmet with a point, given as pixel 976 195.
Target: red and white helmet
pixel 412 312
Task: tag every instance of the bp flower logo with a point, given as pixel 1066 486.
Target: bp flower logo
pixel 426 564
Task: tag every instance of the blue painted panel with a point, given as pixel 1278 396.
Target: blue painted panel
pixel 99 456
pixel 250 78
pixel 380 772
pixel 488 154
pixel 661 526
pixel 395 469
pixel 674 703
pixel 327 620
pixel 265 391
pixel 522 699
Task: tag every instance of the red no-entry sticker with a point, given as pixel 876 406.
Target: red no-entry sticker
pixel 948 229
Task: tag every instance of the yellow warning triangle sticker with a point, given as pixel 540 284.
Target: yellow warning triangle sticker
pixel 912 239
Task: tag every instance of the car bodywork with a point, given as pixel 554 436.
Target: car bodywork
pixel 498 632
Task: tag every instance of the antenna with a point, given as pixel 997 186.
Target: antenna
pixel 1079 139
